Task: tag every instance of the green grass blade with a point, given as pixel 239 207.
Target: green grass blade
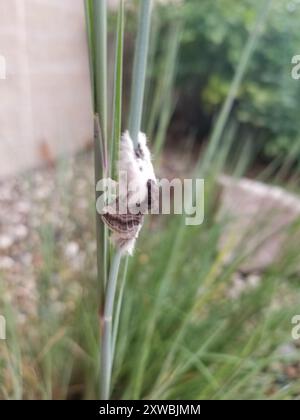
pixel 117 101
pixel 100 29
pixel 163 92
pixel 90 40
pixel 139 70
pixel 106 348
pixel 119 306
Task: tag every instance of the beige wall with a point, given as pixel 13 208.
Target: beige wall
pixel 45 105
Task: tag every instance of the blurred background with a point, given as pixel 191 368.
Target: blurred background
pixel 208 310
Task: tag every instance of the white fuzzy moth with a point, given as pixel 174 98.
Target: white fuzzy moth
pixel 141 193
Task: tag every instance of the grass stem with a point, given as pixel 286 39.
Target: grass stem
pixel 139 70
pixel 106 353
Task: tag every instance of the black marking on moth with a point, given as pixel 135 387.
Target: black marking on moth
pixel 139 152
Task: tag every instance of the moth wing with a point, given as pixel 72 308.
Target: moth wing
pixel 126 226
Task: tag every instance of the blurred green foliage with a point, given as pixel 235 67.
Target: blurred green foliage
pixel 214 36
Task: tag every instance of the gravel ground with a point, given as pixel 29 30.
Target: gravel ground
pixel 44 213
